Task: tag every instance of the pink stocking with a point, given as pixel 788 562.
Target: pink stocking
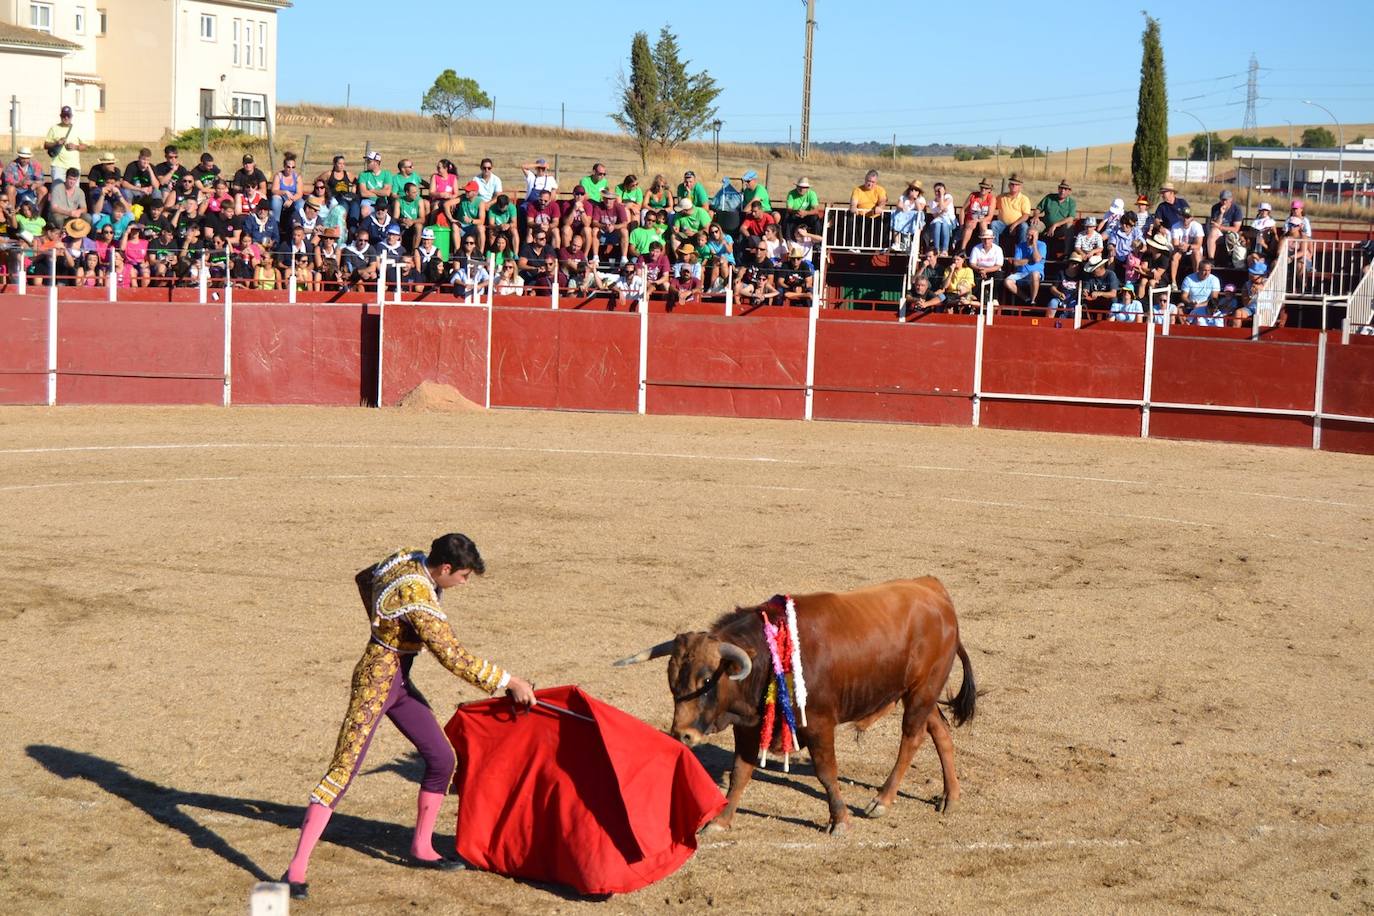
pixel 427 812
pixel 316 816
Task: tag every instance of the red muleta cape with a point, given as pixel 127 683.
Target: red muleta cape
pixel 605 807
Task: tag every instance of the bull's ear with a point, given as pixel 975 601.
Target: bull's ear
pixel 658 651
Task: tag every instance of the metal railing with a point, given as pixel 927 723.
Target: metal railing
pixel 846 231
pixel 1323 267
pixel 1361 303
pixel 1269 303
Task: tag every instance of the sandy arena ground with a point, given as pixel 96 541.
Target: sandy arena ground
pixel 1172 640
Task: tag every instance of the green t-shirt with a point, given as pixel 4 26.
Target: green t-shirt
pixel 470 211
pixel 635 195
pixel 592 187
pixel 399 182
pixel 1056 210
pixel 499 217
pixel 760 193
pixel 804 201
pixel 33 227
pixel 697 194
pixel 642 237
pixel 379 183
pixel 692 222
pixel 410 209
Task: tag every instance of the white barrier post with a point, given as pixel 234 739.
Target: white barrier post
pixel 52 329
pixel 1147 386
pixel 643 307
pixel 111 281
pixel 978 369
pixel 204 280
pixel 1317 405
pixel 811 322
pixel 291 282
pixel 1345 331
pixel 228 349
pixel 23 279
pixel 396 300
pixel 1078 308
pixel 730 291
pixel 490 306
pixel 381 323
pixel 491 277
pixel 553 288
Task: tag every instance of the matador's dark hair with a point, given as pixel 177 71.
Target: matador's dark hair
pixel 458 551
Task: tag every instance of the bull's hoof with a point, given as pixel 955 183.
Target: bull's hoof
pixel 875 809
pixel 838 829
pixel 715 827
pixel 944 803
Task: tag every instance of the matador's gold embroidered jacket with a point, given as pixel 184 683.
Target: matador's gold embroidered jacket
pixel 405 616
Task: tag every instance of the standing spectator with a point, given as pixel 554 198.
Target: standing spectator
pixel 1059 212
pixel 250 183
pixel 629 193
pixel 908 216
pixel 977 213
pixel 1112 218
pixel 1187 240
pixel 592 185
pixel 1225 222
pixel 693 190
pixel 613 227
pixel 67 200
pixel 803 207
pixel 139 180
pixel 287 190
pixel 1170 210
pixel 64 144
pixel 488 182
pixel 1013 212
pixel 987 258
pixel 23 180
pixel 1028 263
pixel 754 190
pixel 169 172
pixel 443 188
pixel 868 198
pixel 942 218
pixel 538 178
pixel 1089 242
pixel 373 188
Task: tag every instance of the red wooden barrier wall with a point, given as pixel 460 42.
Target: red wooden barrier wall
pixel 1350 391
pixel 324 355
pixel 568 360
pixel 23 349
pixel 445 344
pixel 727 367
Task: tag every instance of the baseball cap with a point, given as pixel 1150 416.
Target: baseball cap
pixel 472 186
pixel 264 205
pixel 427 232
pixel 1226 195
pixel 1296 205
pixel 1267 206
pixel 689 174
pixel 1229 288
pixel 541 162
pixel 750 175
pixel 684 205
pixel 66 111
pixel 1118 207
pixel 393 229
pixel 373 156
pixel 247 158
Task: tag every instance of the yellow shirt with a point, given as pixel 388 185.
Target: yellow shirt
pixel 959 281
pixel 866 200
pixel 1012 207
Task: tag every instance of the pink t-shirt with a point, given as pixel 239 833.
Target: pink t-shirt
pixel 136 250
pixel 443 184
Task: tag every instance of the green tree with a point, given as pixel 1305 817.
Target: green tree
pixel 642 108
pixel 1150 151
pixel 688 98
pixel 1317 138
pixel 1026 151
pixel 453 98
pixel 1221 149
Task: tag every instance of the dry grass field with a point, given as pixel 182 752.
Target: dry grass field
pixel 1172 642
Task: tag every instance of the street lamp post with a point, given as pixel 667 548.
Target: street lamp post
pixel 1290 157
pixel 1340 152
pixel 715 129
pixel 1206 133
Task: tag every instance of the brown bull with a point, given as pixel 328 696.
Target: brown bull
pixel 861 651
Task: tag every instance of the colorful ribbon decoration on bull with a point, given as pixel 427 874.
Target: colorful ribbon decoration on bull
pixel 784 650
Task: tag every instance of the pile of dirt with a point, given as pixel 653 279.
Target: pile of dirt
pixel 434 396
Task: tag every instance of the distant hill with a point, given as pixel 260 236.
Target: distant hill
pixel 875 148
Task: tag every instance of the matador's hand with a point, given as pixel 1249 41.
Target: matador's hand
pixel 521 691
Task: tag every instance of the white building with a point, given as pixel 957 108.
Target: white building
pixel 137 68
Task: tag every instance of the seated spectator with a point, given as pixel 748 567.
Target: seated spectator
pixel 533 256
pixel 688 255
pixel 538 178
pixel 117 222
pixel 105 179
pixel 169 172
pixel 1064 288
pixel 249 182
pixel 443 188
pixel 139 180
pixel 469 275
pixel 908 217
pixel 90 270
pixel 394 255
pixel 509 282
pixel 1199 288
pixel 795 278
pixel 23 180
pixel 1059 211
pixel 923 298
pixel 718 259
pixel 1100 285
pixel 930 268
pixel 206 173
pixel 593 184
pixel 411 212
pixel 1111 220
pixel 656 267
pixel 546 277
pixel 754 280
pixel 977 213
pixel 958 283
pixel 287 190
pixel 1170 213
pixel 502 222
pixel 803 208
pixel 575 250
pixel 1126 307
pixel 756 220
pixel 67 200
pixel 659 198
pixel 1219 313
pixel 373 188
pixel 631 197
pixel 1089 242
pixel 942 218
pixel 1028 268
pixel 612 228
pixel 683 285
pixel 987 258
pixel 1262 233
pixel 687 223
pixel 1226 219
pixel 1245 305
pixel 1187 240
pixel 775 245
pixel 581 279
pixel 329 260
pixel 807 243
pixel 1122 240
pixel 651 231
pixel 104 171
pixel 579 218
pixel 693 190
pixel 470 215
pixel 261 227
pixel 868 198
pixel 1013 212
pixel 340 183
pixel 488 182
pixel 629 287
pixel 359 262
pixel 1255 266
pixel 427 265
pixel 754 190
pixel 296 246
pixel 543 214
pixel 1158 256
pixel 26 224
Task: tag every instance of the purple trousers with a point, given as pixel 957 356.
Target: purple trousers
pixel 409 712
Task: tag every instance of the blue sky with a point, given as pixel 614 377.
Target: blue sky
pixel 1046 78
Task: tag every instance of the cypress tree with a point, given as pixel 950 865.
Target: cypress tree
pixel 1150 152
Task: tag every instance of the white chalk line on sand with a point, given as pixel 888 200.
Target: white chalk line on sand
pixel 680 456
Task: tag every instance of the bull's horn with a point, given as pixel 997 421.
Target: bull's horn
pixel 731 652
pixel 657 651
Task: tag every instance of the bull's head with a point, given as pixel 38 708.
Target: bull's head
pixel 702 675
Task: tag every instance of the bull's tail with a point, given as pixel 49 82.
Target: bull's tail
pixel 962 706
